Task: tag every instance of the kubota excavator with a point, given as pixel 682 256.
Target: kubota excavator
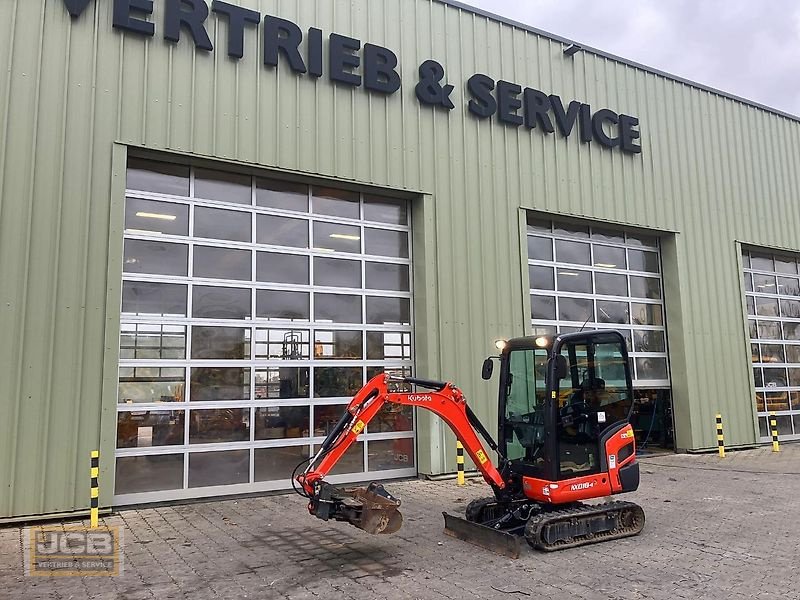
pixel 564 437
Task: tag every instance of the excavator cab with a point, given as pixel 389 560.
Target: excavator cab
pixel 560 398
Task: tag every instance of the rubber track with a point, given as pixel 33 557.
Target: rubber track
pixel 536 525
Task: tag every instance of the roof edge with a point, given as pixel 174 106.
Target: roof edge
pixel 614 57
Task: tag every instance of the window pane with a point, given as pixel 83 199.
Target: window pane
pixel 334 382
pixel 278 422
pixel 383 345
pixel 758 377
pixel 767 307
pixel 752 326
pixel 613 312
pixel 222 263
pixel 608 257
pixel 222 224
pixel 649 341
pixel 543 307
pixel 338 345
pixel 764 284
pixel 761 262
pixel 572 280
pixel 337 308
pixel 382 242
pixel 605 235
pixel 646 314
pixel 575 253
pixel 385 276
pixel 219 185
pixel 281 231
pixel 153 299
pixel 150 428
pixel 289 306
pixel 385 210
pixel 152 342
pixel 768 330
pixel 646 287
pixel 538 225
pixel 785 264
pixel 642 240
pixel 790 308
pixel 775 377
pixel 776 401
pixel 388 311
pixel 571 230
pixel 283 195
pixel 792 353
pixel 794 377
pixel 219 468
pixel 575 309
pixel 282 383
pixel 219 425
pixel 651 368
pixel 220 303
pixel 751 305
pixel 540 248
pixel 542 278
pixel 149 216
pixel 156 258
pixel 607 284
pixel 272 267
pixel 139 474
pixel 157 177
pixel 392 417
pixel 351 462
pixel 385 455
pixel 326 417
pixel 333 272
pixel 337 238
pixel 336 203
pixel 222 343
pixel 639 260
pixel 282 344
pixel 138 386
pixel 277 463
pixel 211 384
pixel 788 286
pixel 373 372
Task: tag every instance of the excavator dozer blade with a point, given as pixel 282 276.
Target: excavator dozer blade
pixel 495 540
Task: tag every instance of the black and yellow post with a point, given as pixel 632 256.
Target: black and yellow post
pixel 460 461
pixel 95 493
pixel 720 438
pixel 773 427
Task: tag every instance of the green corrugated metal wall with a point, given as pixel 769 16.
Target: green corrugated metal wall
pixel 713 170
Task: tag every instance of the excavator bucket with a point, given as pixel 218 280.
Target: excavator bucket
pixel 500 542
pixel 371 509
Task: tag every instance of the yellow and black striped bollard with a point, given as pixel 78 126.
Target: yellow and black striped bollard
pixel 460 461
pixel 95 493
pixel 720 438
pixel 773 426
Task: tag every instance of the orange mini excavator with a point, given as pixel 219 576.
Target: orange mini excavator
pixel 564 438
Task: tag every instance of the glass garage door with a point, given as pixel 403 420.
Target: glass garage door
pixel 252 310
pixel 601 279
pixel 773 308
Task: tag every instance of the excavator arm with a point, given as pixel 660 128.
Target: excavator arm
pixel 374 509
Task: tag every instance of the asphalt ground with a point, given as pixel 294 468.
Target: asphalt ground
pixel 716 529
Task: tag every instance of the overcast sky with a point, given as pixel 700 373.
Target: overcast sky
pixel 750 48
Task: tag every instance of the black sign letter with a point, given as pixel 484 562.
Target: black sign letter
pixel 628 134
pixel 76 7
pixel 565 119
pixel 123 20
pixel 483 104
pixel 379 69
pixel 175 17
pixel 536 106
pixel 601 117
pixel 315 52
pixel 238 18
pixel 586 123
pixel 284 36
pixel 509 102
pixel 343 59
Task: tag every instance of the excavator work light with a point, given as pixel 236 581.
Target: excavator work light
pixel 501 345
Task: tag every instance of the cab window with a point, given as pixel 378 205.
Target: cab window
pixel 524 410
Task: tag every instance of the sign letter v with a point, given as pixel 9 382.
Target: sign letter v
pixel 76 7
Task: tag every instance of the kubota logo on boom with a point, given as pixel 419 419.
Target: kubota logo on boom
pixel 418 398
pixel 575 487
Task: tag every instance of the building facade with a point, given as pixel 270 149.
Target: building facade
pixel 218 219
